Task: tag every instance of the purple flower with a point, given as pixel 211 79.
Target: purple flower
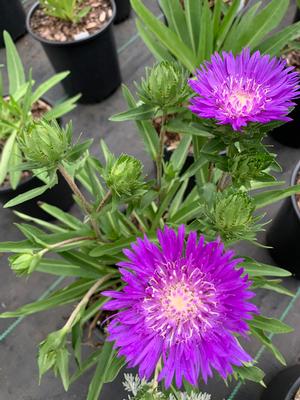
pixel 183 304
pixel 245 88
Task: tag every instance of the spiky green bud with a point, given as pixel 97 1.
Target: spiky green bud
pixel 25 264
pixel 124 176
pixel 164 86
pixel 248 166
pixel 44 144
pixel 231 216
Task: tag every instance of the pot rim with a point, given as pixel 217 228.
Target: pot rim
pixel 293 182
pixel 74 42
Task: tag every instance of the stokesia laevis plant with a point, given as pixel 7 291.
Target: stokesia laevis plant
pixel 181 308
pixel 246 88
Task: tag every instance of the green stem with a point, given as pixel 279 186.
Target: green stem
pixel 64 243
pixel 85 204
pixel 69 179
pixel 104 201
pixel 84 302
pixel 222 184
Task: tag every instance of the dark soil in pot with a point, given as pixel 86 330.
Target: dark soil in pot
pixel 284 232
pixel 123 10
pixel 288 134
pixel 285 385
pixel 12 19
pixel 87 49
pixel 60 195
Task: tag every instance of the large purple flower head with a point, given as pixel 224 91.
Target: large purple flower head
pixel 183 303
pixel 242 89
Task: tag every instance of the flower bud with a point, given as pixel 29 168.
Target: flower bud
pixel 51 351
pixel 25 264
pixel 123 176
pixel 249 166
pixel 231 216
pixel 44 144
pixel 165 85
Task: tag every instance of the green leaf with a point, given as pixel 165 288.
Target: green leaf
pixel 270 324
pixel 193 21
pixel 187 213
pixel 226 23
pixel 15 70
pixel 112 248
pixel 58 298
pixel 268 343
pixel 205 47
pixel 107 369
pixel 86 365
pixel 265 21
pixel 251 373
pixel 15 161
pixel 31 194
pixel 168 38
pixel 175 16
pixel 145 128
pixel 139 113
pixel 22 246
pixel 66 218
pixel 5 156
pixel 271 284
pixel 265 198
pixel 61 109
pixel 77 334
pixel 179 155
pixel 47 85
pixel 62 365
pixel 159 51
pixel 254 268
pixel 64 268
pixel 182 127
pixel 276 42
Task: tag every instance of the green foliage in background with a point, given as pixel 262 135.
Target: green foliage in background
pixel 67 10
pixel 196 31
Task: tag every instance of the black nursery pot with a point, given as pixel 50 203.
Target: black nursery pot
pixel 12 19
pixel 297 15
pixel 92 61
pixel 60 196
pixel 284 233
pixel 288 134
pixel 284 386
pixel 123 10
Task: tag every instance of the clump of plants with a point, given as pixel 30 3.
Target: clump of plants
pixel 152 263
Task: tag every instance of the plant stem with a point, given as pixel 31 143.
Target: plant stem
pixel 210 171
pixel 222 182
pixel 65 242
pixel 161 151
pixel 85 204
pixel 84 301
pixel 104 201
